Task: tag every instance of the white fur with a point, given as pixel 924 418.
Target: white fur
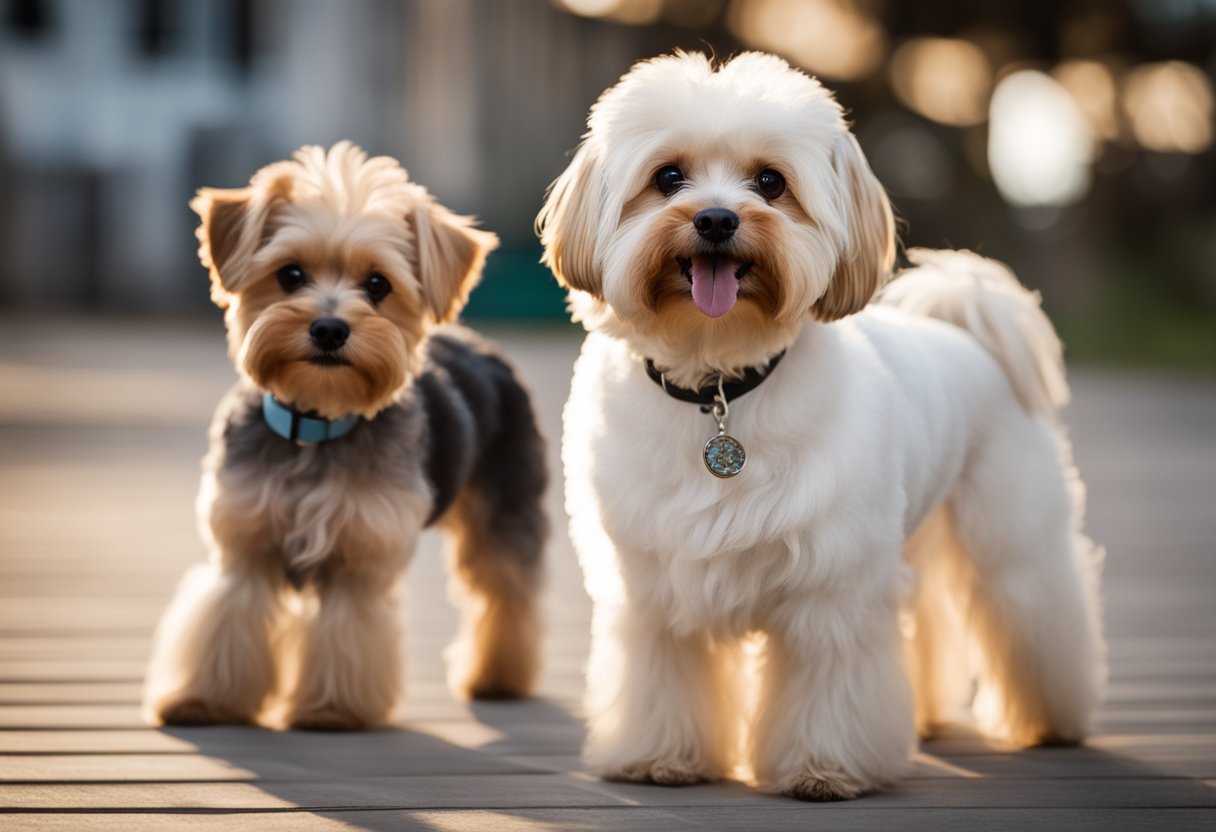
pixel 886 447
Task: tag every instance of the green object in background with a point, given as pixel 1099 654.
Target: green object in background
pixel 516 287
pixel 1136 322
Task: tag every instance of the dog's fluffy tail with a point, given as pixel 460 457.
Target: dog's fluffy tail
pixel 984 297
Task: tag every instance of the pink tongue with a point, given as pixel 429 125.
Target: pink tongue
pixel 714 285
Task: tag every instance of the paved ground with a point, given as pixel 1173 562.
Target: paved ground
pixel 101 428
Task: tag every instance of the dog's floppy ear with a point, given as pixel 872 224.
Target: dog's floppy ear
pixel 568 225
pixel 869 255
pixel 451 254
pixel 232 225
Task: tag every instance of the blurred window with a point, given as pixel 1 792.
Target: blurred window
pixel 154 28
pixel 28 18
pixel 243 47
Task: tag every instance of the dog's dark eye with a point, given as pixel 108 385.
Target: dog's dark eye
pixel 377 287
pixel 669 179
pixel 770 184
pixel 292 277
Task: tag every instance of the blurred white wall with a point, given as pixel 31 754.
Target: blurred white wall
pixel 113 111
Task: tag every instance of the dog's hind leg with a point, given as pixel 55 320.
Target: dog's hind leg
pixel 497 531
pixel 1032 599
pixel 938 667
pixel 495 560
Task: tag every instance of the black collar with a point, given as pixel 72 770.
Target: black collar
pixel 752 377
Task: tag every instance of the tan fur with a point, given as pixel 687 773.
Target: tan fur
pixel 292 212
pixel 300 525
pixel 567 225
pixel 347 673
pixel 936 645
pixel 664 287
pixel 496 654
pixel 275 355
pixel 870 256
pixel 228 652
pixel 453 251
pixel 212 661
pixel 238 643
pixel 233 224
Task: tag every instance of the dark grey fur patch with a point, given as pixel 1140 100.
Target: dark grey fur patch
pixel 509 473
pixel 477 415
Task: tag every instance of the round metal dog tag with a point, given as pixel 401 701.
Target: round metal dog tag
pixel 724 456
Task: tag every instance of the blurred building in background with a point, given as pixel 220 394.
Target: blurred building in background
pixel 113 111
pixel 1072 139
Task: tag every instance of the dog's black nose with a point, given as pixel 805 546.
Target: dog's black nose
pixel 329 333
pixel 716 224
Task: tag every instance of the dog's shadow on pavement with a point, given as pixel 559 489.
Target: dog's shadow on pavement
pixel 381 779
pixel 514 759
pixel 532 728
pixel 958 767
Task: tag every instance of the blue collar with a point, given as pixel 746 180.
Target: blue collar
pixel 291 424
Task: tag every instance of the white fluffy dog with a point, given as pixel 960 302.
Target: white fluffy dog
pixel 908 515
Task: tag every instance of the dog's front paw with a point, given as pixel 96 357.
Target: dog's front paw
pixel 819 787
pixel 191 712
pixel 327 718
pixel 665 772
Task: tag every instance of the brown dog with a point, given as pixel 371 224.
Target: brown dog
pixel 358 420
